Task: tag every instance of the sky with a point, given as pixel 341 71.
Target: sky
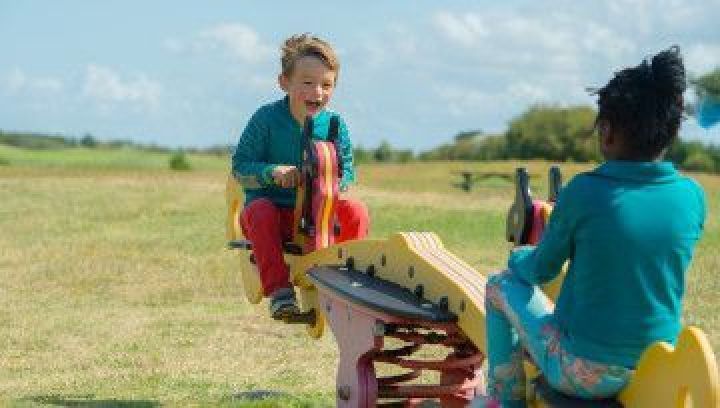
pixel 413 73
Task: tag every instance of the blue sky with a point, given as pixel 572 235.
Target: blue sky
pixel 181 73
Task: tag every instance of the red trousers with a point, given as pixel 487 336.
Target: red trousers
pixel 267 226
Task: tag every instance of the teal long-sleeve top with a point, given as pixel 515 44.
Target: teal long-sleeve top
pixel 628 230
pixel 273 137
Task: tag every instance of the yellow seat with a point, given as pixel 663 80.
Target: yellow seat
pixel 684 376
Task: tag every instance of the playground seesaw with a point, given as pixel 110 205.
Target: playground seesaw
pixel 409 287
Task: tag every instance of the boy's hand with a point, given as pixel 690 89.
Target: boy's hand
pixel 286 176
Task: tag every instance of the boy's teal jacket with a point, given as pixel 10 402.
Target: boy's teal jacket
pixel 628 230
pixel 273 137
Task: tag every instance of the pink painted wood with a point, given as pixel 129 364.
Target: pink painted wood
pixel 360 333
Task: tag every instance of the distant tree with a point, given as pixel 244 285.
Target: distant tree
pixel 468 135
pixel 404 156
pixel 707 106
pixel 383 153
pixel 553 133
pixel 708 83
pixel 362 155
pixel 27 140
pixel 179 161
pixel 492 147
pixel 217 150
pixel 478 147
pixel 88 141
pixel 695 156
pixel 699 161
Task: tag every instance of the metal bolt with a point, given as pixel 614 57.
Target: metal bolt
pixel 344 392
pixel 444 304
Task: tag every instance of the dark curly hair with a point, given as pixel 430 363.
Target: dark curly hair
pixel 644 104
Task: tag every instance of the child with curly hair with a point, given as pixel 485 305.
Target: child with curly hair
pixel 628 229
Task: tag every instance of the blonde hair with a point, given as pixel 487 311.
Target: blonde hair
pixel 307 45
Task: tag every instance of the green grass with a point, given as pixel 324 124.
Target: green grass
pixel 117 290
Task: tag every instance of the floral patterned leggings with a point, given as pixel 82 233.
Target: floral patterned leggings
pixel 519 318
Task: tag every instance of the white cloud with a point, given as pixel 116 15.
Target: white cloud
pixel 492 30
pixel 391 46
pixel 238 40
pixel 528 92
pixel 637 11
pixel 467 29
pixel 603 40
pixel 17 81
pixel 261 81
pixel 506 42
pixel 461 101
pixel 403 40
pixel 701 58
pixel 173 45
pixel 652 17
pixel 106 87
pixel 559 39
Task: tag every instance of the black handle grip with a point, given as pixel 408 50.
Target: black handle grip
pixel 519 218
pixel 554 183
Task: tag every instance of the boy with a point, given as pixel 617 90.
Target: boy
pixel 268 157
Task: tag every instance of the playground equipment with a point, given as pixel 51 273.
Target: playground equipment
pixel 468 179
pixel 409 287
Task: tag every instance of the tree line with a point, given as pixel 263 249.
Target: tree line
pixel 40 141
pixel 548 132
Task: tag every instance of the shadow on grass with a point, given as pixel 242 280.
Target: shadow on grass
pixel 88 401
pixel 276 399
pixel 247 399
pixel 258 395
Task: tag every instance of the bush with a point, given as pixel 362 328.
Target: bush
pixel 88 141
pixel 699 161
pixel 178 161
pixel 708 84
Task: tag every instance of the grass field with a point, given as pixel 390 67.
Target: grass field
pixel 117 290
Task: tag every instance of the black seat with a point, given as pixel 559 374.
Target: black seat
pixel 288 247
pixel 378 294
pixel 556 399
